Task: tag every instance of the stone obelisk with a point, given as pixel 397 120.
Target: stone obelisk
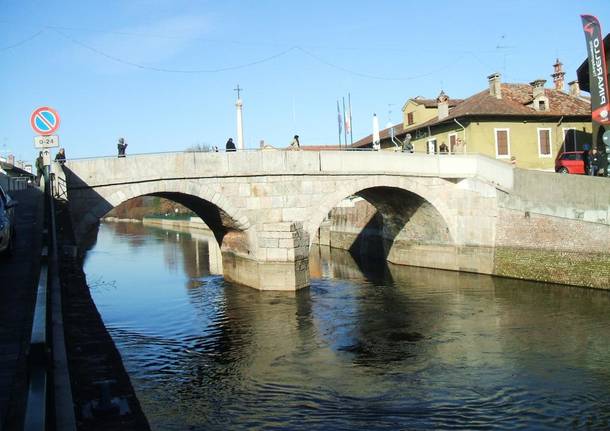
pixel 240 126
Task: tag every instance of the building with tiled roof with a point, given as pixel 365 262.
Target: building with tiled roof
pixel 524 122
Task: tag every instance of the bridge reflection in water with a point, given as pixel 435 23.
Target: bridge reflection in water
pixel 368 345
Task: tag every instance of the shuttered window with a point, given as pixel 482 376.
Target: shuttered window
pixel 502 143
pixel 410 118
pixel 544 142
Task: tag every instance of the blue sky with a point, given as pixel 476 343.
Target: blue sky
pixel 115 68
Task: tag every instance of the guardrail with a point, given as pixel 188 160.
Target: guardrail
pixel 47 361
pixel 35 415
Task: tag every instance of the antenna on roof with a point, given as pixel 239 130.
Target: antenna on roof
pixel 501 47
pixel 390 113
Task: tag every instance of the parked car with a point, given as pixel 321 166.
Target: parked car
pixel 570 162
pixel 7 223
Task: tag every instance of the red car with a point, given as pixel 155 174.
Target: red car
pixel 570 162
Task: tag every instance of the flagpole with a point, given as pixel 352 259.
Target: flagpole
pixel 351 125
pixel 339 122
pixel 344 128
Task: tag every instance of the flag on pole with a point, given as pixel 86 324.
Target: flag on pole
pixel 339 121
pixel 349 104
pixel 348 119
pixel 345 128
pixel 598 75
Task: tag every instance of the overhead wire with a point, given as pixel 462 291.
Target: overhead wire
pixel 167 70
pixel 382 78
pixel 301 49
pixel 21 42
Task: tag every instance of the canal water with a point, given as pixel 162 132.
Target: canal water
pixel 367 346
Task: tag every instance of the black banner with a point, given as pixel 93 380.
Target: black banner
pixel 598 73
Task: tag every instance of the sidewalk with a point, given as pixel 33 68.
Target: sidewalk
pixel 18 280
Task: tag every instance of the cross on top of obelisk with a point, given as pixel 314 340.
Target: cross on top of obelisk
pixel 239 90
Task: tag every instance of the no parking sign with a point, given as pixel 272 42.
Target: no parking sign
pixel 44 120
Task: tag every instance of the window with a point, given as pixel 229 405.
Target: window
pixel 544 142
pixel 410 118
pixel 569 139
pixel 431 147
pixel 502 143
pixel 541 105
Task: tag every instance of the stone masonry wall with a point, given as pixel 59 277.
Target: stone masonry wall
pixel 552 249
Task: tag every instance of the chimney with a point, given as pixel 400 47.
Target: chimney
pixel 540 102
pixel 574 88
pixel 558 75
pixel 443 105
pixel 538 89
pixel 494 85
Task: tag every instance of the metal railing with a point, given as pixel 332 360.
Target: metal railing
pixel 47 360
pixel 38 364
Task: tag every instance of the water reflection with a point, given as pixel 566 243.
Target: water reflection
pixel 367 346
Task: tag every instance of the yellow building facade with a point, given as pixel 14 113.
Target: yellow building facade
pixel 533 144
pixel 524 124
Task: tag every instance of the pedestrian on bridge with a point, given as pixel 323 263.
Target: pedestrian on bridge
pixel 295 144
pixel 121 146
pixel 230 146
pixel 39 168
pixel 60 157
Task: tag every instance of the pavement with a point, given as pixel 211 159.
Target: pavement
pixel 18 280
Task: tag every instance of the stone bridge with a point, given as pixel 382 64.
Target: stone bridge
pixel 452 212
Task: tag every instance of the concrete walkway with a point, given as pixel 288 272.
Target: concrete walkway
pixel 18 279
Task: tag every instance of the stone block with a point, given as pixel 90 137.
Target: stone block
pixel 277 254
pixel 279 227
pixel 273 215
pixel 253 203
pixel 285 242
pixel 279 235
pixel 269 242
pixel 292 214
pixel 265 202
pixel 290 254
pixel 277 202
pixel 244 190
pixel 307 186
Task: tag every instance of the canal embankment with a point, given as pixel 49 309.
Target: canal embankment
pixel 559 235
pixel 104 398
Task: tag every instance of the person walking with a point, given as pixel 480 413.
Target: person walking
pixel 295 145
pixel 443 148
pixel 230 146
pixel 60 157
pixel 593 162
pixel 39 168
pixel 121 147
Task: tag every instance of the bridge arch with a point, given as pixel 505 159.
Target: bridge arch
pixel 372 189
pixel 225 221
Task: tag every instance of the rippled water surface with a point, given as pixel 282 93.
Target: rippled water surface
pixel 363 348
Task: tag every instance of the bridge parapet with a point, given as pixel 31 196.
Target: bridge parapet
pixel 149 167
